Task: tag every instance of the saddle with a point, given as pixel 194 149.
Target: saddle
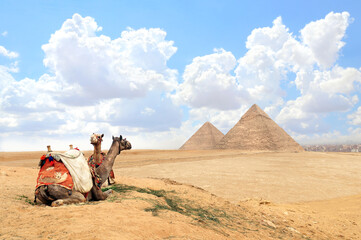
pixel 69 169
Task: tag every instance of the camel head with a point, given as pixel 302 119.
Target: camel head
pixel 124 144
pixel 96 138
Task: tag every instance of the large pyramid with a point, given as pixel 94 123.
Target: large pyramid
pixel 256 131
pixel 205 138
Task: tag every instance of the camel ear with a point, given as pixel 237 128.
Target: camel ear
pixel 113 137
pixel 120 137
pixel 102 135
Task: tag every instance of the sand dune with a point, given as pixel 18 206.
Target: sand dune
pixel 246 195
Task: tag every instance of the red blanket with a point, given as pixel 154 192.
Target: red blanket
pixel 54 172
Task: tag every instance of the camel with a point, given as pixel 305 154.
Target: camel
pixel 98 155
pixel 57 195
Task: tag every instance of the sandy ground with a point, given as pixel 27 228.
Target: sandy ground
pixel 246 196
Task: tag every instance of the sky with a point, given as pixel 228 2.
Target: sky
pixel 155 71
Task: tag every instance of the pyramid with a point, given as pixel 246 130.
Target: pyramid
pixel 256 131
pixel 206 137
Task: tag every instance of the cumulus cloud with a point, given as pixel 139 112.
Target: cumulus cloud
pixel 29 95
pixel 208 82
pixel 94 83
pixel 355 118
pixel 295 120
pixel 224 120
pixel 351 136
pixel 339 80
pixel 98 67
pixel 324 37
pixel 7 53
pixel 219 81
pixel 271 37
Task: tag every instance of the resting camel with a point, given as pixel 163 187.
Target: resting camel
pixel 57 195
pixel 98 155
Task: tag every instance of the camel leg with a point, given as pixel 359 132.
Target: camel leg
pixel 41 193
pixel 98 194
pixel 111 178
pixel 75 197
pixel 56 195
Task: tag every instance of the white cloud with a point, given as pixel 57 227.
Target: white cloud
pixel 355 118
pixel 294 120
pixel 224 120
pixel 272 38
pixel 98 67
pixel 5 78
pixel 4 34
pixel 208 83
pixel 324 37
pixel 173 138
pixel 322 92
pixel 339 80
pixel 8 120
pixel 7 53
pixel 261 69
pixel 296 56
pixel 95 84
pixel 352 136
pixel 260 74
pixel 29 95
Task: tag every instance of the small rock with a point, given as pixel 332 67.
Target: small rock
pixel 264 203
pixel 293 230
pixel 285 213
pixel 269 223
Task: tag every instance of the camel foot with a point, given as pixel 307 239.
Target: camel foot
pixel 57 203
pixel 111 181
pixel 108 192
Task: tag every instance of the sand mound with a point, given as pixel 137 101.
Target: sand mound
pixel 256 131
pixel 205 138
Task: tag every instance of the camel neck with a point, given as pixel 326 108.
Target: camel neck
pixel 97 153
pixel 108 161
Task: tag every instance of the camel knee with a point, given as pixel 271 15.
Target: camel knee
pixel 57 203
pixel 42 195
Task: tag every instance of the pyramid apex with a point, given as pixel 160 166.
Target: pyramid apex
pixel 256 107
pixel 255 110
pixel 206 137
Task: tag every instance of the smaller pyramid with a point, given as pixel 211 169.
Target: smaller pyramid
pixel 256 131
pixel 205 138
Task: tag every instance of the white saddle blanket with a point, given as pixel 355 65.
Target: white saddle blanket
pixel 77 165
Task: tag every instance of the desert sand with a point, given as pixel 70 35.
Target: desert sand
pixel 210 194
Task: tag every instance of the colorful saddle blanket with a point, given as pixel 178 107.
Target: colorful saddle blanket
pixel 71 164
pixel 54 172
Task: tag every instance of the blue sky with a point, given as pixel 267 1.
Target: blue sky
pixel 156 70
